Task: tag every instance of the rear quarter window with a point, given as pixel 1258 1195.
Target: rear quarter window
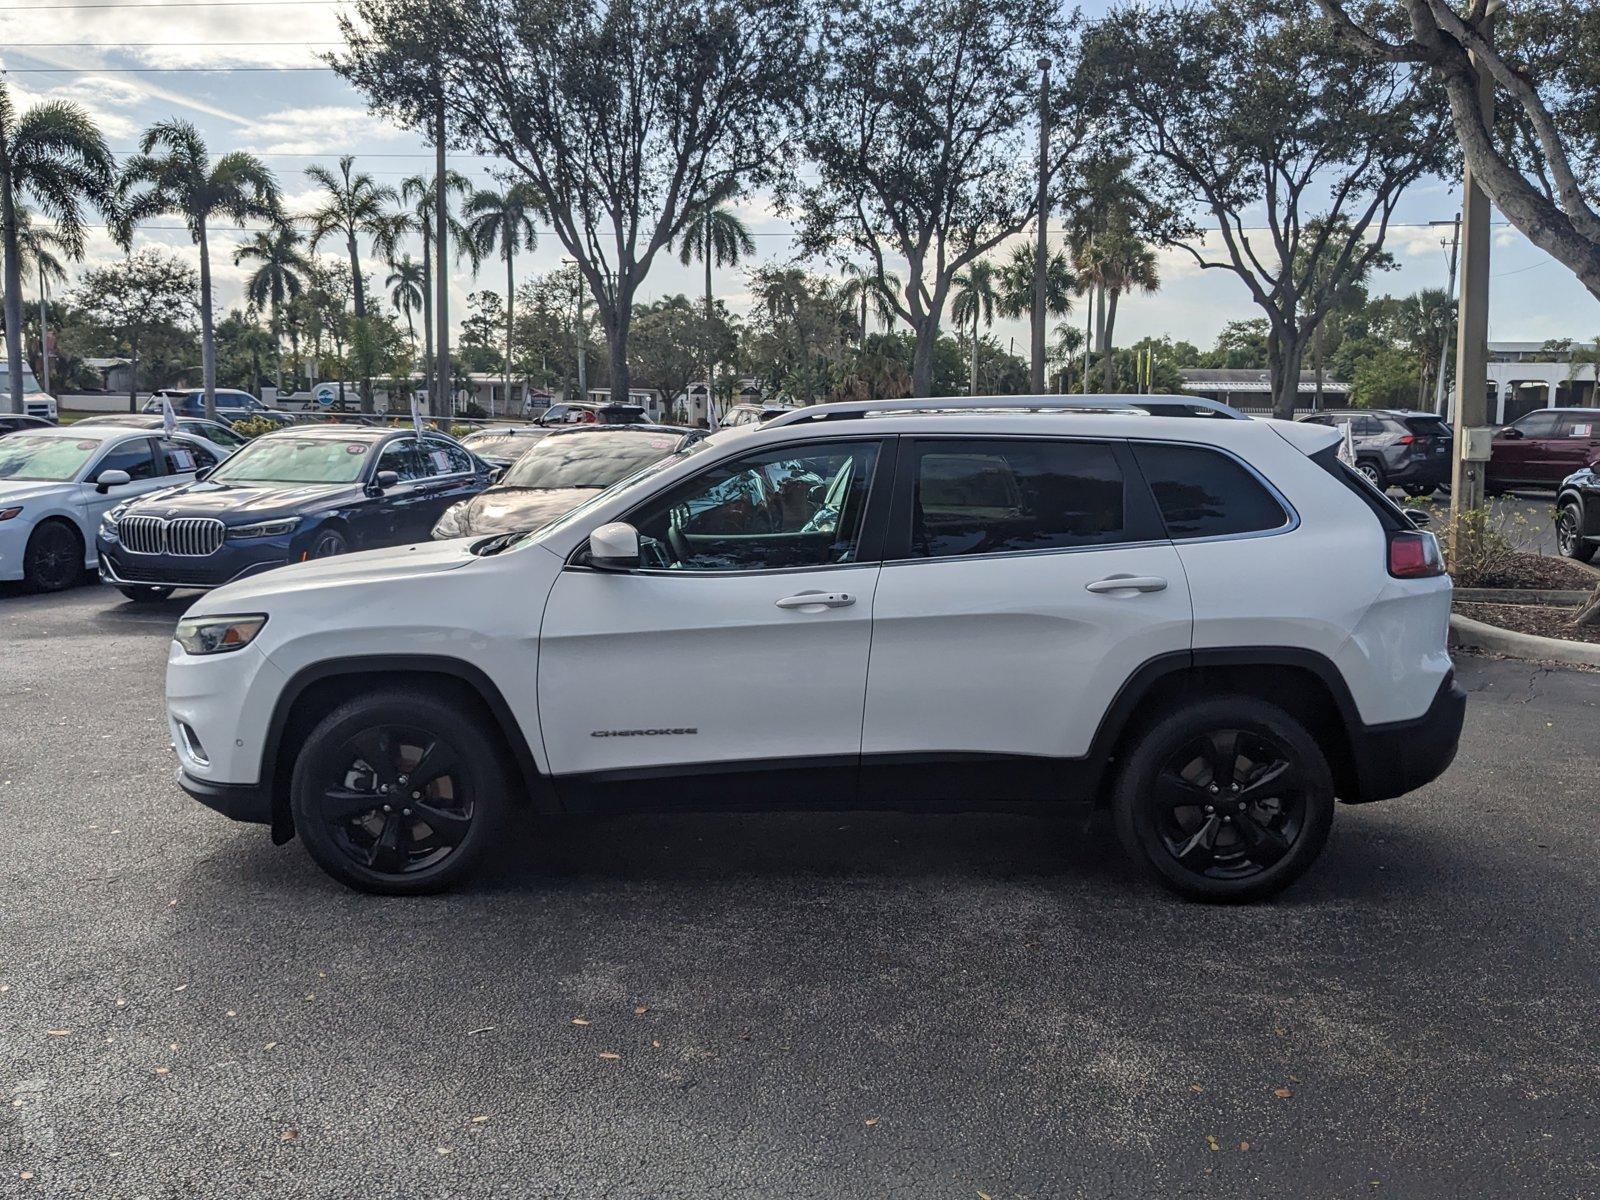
pixel 1203 493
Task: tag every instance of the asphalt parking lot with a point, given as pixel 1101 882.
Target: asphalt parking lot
pixel 785 1006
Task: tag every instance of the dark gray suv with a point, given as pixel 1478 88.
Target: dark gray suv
pixel 1396 447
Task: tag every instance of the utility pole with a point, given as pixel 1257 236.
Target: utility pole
pixel 1450 290
pixel 582 333
pixel 1040 249
pixel 44 330
pixel 1472 328
pixel 441 233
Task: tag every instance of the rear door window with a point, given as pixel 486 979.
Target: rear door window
pixel 1002 496
pixel 1537 425
pixel 1204 493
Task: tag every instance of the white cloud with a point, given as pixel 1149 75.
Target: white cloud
pixel 321 129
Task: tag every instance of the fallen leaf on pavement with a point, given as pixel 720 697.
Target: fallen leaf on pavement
pixel 288 1135
pixel 639 1010
pixel 1244 1145
pixel 163 1070
pixel 479 1120
pixel 445 1150
pixel 1282 1093
pixel 1195 1087
pixel 58 1032
pixel 871 1121
pixel 580 1020
pixel 1211 1141
pixel 608 1056
pixel 269 1046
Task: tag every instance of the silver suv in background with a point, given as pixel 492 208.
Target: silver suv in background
pixel 1396 447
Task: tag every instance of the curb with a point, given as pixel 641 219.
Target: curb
pixel 1476 635
pixel 1554 597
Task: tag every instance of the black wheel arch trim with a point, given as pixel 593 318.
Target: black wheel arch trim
pixel 275 773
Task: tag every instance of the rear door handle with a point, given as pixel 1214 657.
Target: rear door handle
pixel 1128 583
pixel 818 600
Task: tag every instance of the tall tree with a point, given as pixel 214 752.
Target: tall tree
pixel 922 125
pixel 1539 160
pixel 133 296
pixel 503 222
pixel 173 173
pixel 279 277
pixel 977 293
pixel 1127 265
pixel 418 196
pixel 53 157
pixel 864 290
pixel 405 284
pixel 715 235
pixel 353 207
pixel 1258 112
pixel 620 114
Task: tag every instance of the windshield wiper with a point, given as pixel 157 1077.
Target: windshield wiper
pixel 501 541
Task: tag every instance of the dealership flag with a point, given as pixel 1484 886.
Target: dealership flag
pixel 416 417
pixel 169 419
pixel 1347 443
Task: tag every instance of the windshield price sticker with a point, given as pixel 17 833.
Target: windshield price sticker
pixel 354 448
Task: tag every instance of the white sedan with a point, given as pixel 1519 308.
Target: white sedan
pixel 56 483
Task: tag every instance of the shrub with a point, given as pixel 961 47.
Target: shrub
pixel 460 431
pixel 252 427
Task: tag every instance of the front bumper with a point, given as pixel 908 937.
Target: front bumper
pixel 1397 758
pixel 237 801
pixel 121 568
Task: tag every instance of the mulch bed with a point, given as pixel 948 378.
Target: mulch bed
pixel 1539 571
pixel 1532 618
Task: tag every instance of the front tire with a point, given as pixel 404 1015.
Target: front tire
pixel 328 543
pixel 145 595
pixel 53 559
pixel 1569 533
pixel 399 794
pixel 1228 799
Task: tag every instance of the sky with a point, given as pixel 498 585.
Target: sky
pixel 131 65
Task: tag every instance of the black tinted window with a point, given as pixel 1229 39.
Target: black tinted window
pixel 133 457
pixel 1433 427
pixel 446 458
pixel 1203 493
pixel 183 457
pixel 987 497
pixel 1539 424
pixel 402 458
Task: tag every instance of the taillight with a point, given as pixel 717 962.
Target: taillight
pixel 1414 555
pixel 1406 439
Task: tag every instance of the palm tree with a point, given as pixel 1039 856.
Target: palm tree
pixel 354 207
pixel 714 234
pixel 1130 265
pixel 405 283
pixel 38 247
pixel 504 221
pixel 1068 341
pixel 53 155
pixel 1016 284
pixel 418 192
pixel 863 287
pixel 277 279
pixel 975 300
pixel 173 173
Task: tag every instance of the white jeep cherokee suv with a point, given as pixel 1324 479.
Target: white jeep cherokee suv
pixel 1202 620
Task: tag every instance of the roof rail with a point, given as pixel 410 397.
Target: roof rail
pixel 1151 405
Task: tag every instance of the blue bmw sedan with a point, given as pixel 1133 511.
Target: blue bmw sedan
pixel 307 492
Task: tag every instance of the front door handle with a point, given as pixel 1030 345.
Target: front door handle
pixel 816 601
pixel 1128 583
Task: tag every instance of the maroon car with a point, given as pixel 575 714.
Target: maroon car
pixel 1543 448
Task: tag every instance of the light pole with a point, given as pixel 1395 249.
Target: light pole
pixel 580 335
pixel 1472 329
pixel 1040 250
pixel 1450 290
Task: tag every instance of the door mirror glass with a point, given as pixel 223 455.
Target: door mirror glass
pixel 614 547
pixel 384 480
pixel 107 480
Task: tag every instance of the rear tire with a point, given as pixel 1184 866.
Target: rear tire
pixel 399 793
pixel 1227 799
pixel 1419 490
pixel 1569 533
pixel 53 559
pixel 145 595
pixel 1374 472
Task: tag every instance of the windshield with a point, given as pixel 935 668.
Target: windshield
pixel 44 458
pixel 588 460
pixel 295 460
pixel 29 383
pixel 500 445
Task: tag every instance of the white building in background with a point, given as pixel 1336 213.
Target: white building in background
pixel 1524 376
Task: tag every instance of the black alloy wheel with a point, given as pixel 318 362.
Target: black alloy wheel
pixel 1225 799
pixel 328 543
pixel 53 559
pixel 1569 533
pixel 397 793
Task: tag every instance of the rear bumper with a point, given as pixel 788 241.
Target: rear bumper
pixel 237 801
pixel 1397 758
pixel 1433 470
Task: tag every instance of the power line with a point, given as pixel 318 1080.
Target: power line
pixel 174 4
pixel 147 70
pixel 151 45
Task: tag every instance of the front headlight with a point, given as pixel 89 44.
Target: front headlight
pixel 218 635
pixel 263 529
pixel 450 524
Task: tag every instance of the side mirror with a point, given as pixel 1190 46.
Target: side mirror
pixel 1419 517
pixel 1511 432
pixel 384 480
pixel 107 480
pixel 614 547
pixel 202 473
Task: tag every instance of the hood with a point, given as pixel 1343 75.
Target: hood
pixel 242 503
pixel 21 491
pixel 509 509
pixel 393 565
